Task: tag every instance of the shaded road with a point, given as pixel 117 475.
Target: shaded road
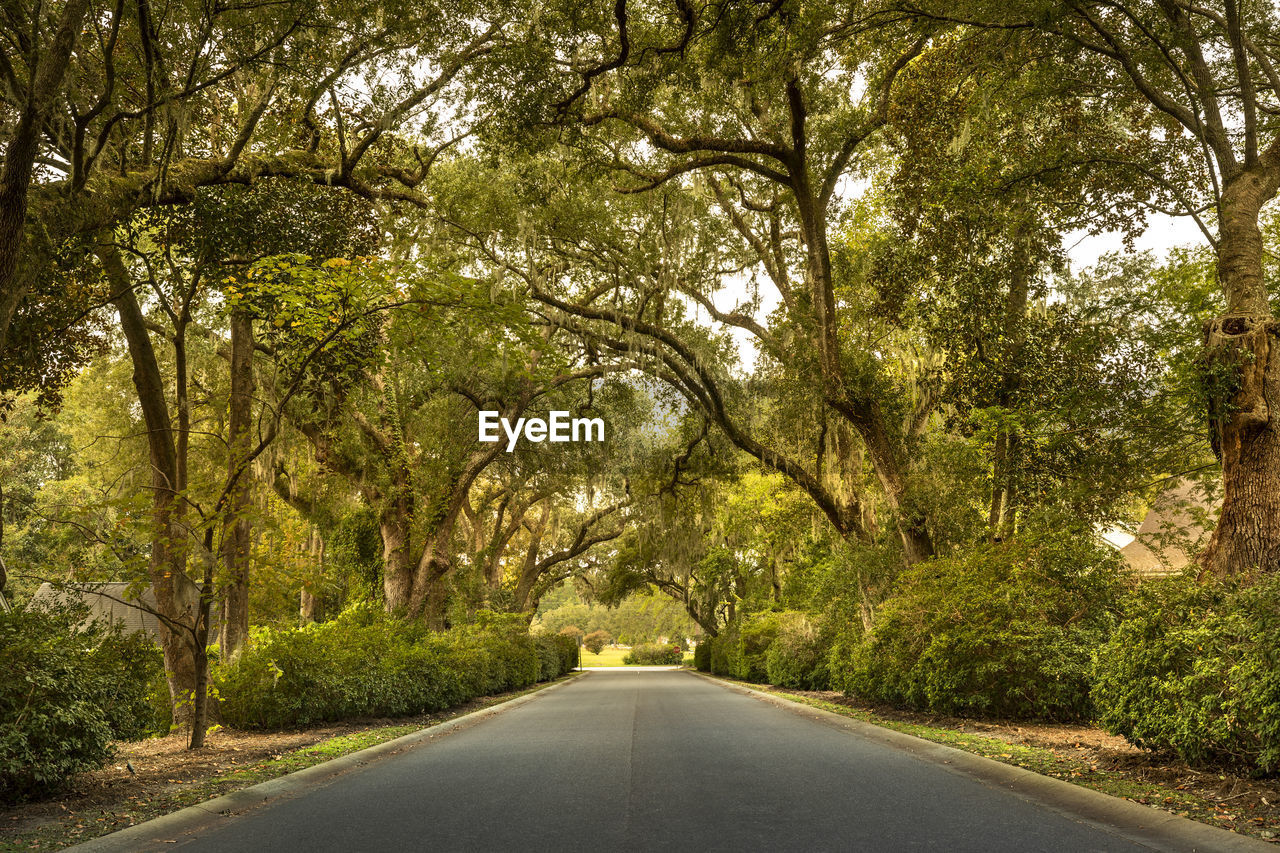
pixel 653 761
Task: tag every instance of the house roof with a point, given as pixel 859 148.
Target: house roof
pixel 1174 530
pixel 107 602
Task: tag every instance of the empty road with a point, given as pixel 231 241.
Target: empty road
pixel 654 761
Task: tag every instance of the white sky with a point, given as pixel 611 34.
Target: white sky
pixel 1163 233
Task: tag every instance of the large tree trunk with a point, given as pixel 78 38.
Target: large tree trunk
pixel 1242 343
pixel 1003 512
pixel 429 595
pixel 237 531
pixel 429 592
pixel 397 563
pixel 529 573
pixel 435 596
pixel 309 609
pixel 863 412
pixel 176 596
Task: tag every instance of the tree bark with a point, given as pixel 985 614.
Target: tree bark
pixel 397 563
pixel 308 607
pixel 1242 343
pixel 1002 517
pixel 529 572
pixel 237 529
pixel 177 597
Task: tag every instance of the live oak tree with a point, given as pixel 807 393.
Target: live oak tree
pixel 405 435
pixel 546 513
pixel 320 322
pixel 773 110
pixel 1208 73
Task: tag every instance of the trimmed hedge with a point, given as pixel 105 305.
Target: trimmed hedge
pixel 739 649
pixel 655 654
pixel 702 654
pixel 1195 668
pixel 1005 630
pixel 797 658
pixel 65 695
pixel 557 654
pixel 782 648
pixel 721 645
pixel 366 664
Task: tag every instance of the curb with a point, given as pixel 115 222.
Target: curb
pixel 1129 820
pixel 162 830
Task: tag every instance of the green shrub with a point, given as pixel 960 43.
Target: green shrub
pixel 747 656
pixel 844 642
pixel 557 654
pixel 1195 668
pixel 702 654
pixel 365 663
pixel 797 657
pixel 569 655
pixel 66 694
pixel 1007 630
pixel 741 648
pixel 655 654
pixel 722 647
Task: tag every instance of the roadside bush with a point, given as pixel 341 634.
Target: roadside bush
pixel 1195 668
pixel 702 654
pixel 557 654
pixel 797 657
pixel 747 645
pixel 66 694
pixel 596 641
pixel 722 645
pixel 844 641
pixel 1006 630
pixel 655 654
pixel 365 663
pixel 570 656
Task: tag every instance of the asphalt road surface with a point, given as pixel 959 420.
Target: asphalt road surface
pixel 653 761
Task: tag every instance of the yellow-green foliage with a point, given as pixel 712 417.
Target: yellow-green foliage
pixel 1195 668
pixel 1004 630
pixel 366 663
pixel 65 694
pixel 740 648
pixel 797 658
pixel 655 654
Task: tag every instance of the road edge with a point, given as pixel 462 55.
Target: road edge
pixel 1129 820
pixel 160 830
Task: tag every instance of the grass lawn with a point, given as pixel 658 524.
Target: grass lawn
pixel 608 656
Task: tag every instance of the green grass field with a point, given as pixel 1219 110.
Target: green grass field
pixel 608 656
pixel 613 657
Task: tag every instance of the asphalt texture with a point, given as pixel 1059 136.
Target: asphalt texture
pixel 652 761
